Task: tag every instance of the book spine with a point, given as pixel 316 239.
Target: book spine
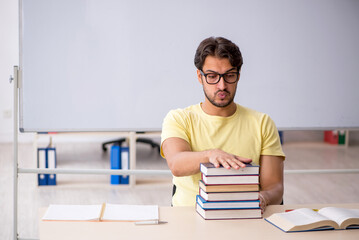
pixel 42 163
pixel 230 180
pixel 115 163
pixel 229 196
pixel 230 202
pixel 210 170
pixel 255 213
pixel 51 164
pixel 125 161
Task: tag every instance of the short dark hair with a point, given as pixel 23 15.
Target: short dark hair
pixel 218 47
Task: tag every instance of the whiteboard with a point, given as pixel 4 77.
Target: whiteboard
pixel 111 65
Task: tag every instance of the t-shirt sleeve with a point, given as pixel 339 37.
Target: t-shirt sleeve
pixel 174 125
pixel 270 138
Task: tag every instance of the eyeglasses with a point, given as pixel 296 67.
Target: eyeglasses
pixel 214 78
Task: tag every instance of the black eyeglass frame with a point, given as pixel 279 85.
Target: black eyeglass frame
pixel 220 76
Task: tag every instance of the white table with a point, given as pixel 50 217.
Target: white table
pixel 184 223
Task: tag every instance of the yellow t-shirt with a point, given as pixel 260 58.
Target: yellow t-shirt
pixel 247 133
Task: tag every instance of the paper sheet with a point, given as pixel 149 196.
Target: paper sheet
pixel 116 212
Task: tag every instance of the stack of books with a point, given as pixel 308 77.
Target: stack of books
pixel 229 193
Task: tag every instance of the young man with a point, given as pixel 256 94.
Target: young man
pixel 219 130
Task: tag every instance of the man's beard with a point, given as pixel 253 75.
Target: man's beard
pixel 220 105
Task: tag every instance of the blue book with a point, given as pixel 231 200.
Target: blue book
pixel 115 163
pixel 125 164
pixel 51 164
pixel 42 163
pixel 244 204
pixel 240 213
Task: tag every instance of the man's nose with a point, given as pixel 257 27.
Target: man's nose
pixel 221 83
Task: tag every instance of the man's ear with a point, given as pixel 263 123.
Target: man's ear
pixel 199 76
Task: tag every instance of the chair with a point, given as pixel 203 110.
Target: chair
pixel 141 140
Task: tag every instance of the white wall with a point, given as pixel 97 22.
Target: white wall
pixel 9 57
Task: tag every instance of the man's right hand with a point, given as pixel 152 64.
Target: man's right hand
pixel 221 158
pixel 184 162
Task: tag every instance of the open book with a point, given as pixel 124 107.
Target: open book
pixel 305 219
pixel 102 212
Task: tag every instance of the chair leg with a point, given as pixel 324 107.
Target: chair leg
pixel 142 140
pixel 150 142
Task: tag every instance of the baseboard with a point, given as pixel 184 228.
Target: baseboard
pixel 6 137
pixel 60 138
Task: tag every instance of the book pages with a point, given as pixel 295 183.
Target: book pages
pixel 303 216
pixel 116 212
pixel 339 215
pixel 73 213
pixel 302 219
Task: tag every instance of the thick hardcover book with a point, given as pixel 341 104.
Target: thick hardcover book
pixel 227 204
pixel 305 219
pixel 234 179
pixel 219 214
pixel 228 196
pixel 209 169
pixel 228 188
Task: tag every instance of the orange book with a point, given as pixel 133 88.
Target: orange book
pixel 229 188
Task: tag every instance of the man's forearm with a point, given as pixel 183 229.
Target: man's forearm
pixel 187 163
pixel 271 180
pixel 272 196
